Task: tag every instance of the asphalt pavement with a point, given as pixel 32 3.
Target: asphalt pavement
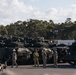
pixel 62 69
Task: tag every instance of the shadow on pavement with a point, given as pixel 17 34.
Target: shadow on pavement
pixel 3 74
pixel 60 66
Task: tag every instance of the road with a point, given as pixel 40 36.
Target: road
pixel 63 69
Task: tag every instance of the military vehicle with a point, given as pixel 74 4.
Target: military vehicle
pixel 2 53
pixel 23 55
pixel 6 48
pixel 36 42
pixel 62 52
pixel 71 55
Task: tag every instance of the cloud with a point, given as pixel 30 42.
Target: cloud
pixel 34 0
pixel 14 10
pixel 39 14
pixel 57 14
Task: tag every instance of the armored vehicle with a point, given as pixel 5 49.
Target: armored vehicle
pixel 62 52
pixel 2 53
pixel 6 49
pixel 23 55
pixel 71 56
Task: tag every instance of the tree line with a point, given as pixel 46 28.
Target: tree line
pixel 39 28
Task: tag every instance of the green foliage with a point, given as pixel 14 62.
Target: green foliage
pixel 39 28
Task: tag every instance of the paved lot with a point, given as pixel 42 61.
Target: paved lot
pixel 63 69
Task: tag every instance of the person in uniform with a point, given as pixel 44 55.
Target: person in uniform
pixel 44 58
pixel 36 58
pixel 14 58
pixel 1 67
pixel 55 54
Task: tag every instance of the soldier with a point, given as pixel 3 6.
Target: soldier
pixel 36 58
pixel 14 58
pixel 55 57
pixel 1 67
pixel 44 58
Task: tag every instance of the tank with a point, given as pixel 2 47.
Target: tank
pixel 6 49
pixel 36 42
pixel 23 55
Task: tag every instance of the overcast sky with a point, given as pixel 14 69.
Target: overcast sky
pixel 56 10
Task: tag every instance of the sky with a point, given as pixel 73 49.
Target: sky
pixel 56 10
